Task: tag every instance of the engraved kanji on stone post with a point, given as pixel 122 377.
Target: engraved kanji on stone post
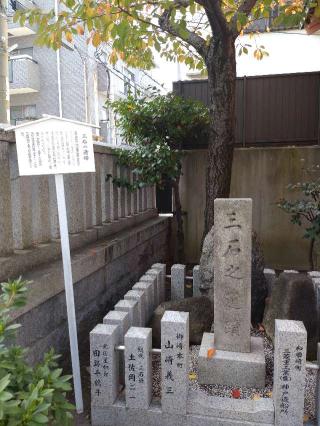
pixel 138 370
pixel 104 362
pixel 174 361
pixel 289 372
pixel 232 274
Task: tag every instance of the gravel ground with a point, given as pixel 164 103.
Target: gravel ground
pixel 245 393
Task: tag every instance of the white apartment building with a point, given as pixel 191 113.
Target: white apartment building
pixel 74 82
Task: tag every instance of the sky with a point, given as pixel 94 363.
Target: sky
pixel 289 52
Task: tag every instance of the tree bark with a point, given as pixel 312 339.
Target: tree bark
pixel 221 65
pixel 311 254
pixel 179 220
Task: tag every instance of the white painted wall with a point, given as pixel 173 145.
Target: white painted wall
pixel 289 52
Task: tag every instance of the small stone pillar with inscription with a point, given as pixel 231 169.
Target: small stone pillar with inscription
pixel 120 318
pixel 138 367
pixel 178 277
pixel 104 362
pixel 238 358
pixel 132 307
pixel 162 268
pixel 141 298
pixel 174 361
pixel 148 288
pixel 154 272
pixel 289 372
pixel 196 281
pixel 154 280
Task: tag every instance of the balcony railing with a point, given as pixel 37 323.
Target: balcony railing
pixel 24 75
pixel 14 28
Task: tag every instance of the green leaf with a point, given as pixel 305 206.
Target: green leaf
pixel 5 396
pixel 40 418
pixel 4 382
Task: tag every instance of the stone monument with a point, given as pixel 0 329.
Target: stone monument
pixel 238 359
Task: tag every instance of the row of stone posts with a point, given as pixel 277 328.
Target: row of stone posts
pixel 121 353
pixel 131 364
pixel 28 212
pixel 134 311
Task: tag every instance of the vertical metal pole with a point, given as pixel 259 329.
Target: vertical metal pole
pixel 318 389
pixel 68 282
pixel 4 79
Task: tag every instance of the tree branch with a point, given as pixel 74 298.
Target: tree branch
pixel 245 7
pixel 215 16
pixel 197 42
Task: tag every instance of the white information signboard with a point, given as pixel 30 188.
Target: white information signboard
pixel 56 146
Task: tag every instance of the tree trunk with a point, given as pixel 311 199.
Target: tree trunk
pixel 221 65
pixel 311 254
pixel 179 219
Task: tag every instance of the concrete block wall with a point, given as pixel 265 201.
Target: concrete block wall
pixel 263 174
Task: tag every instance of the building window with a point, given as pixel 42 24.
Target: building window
pixel 21 113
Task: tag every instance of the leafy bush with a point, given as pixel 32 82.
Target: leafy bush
pixel 29 396
pixel 305 211
pixel 157 129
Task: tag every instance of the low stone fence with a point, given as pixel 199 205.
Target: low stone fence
pixel 96 207
pixel 121 367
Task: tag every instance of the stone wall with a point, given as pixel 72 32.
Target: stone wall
pixel 115 235
pixel 103 272
pixel 263 175
pixel 95 207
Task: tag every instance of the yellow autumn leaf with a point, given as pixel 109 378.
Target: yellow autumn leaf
pixel 192 375
pixel 256 397
pixel 80 29
pixel 90 12
pixel 96 39
pixel 113 57
pixel 69 37
pixel 269 394
pixel 258 54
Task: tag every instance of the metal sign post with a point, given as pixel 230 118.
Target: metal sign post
pixel 56 146
pixel 68 284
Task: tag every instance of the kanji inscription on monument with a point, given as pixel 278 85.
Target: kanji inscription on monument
pixel 289 372
pixel 232 274
pixel 174 361
pixel 54 147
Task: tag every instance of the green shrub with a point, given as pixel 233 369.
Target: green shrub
pixel 28 395
pixel 157 129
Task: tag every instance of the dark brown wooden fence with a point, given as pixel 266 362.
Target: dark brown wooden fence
pixel 270 110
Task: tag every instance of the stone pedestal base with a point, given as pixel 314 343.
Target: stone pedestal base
pixel 232 368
